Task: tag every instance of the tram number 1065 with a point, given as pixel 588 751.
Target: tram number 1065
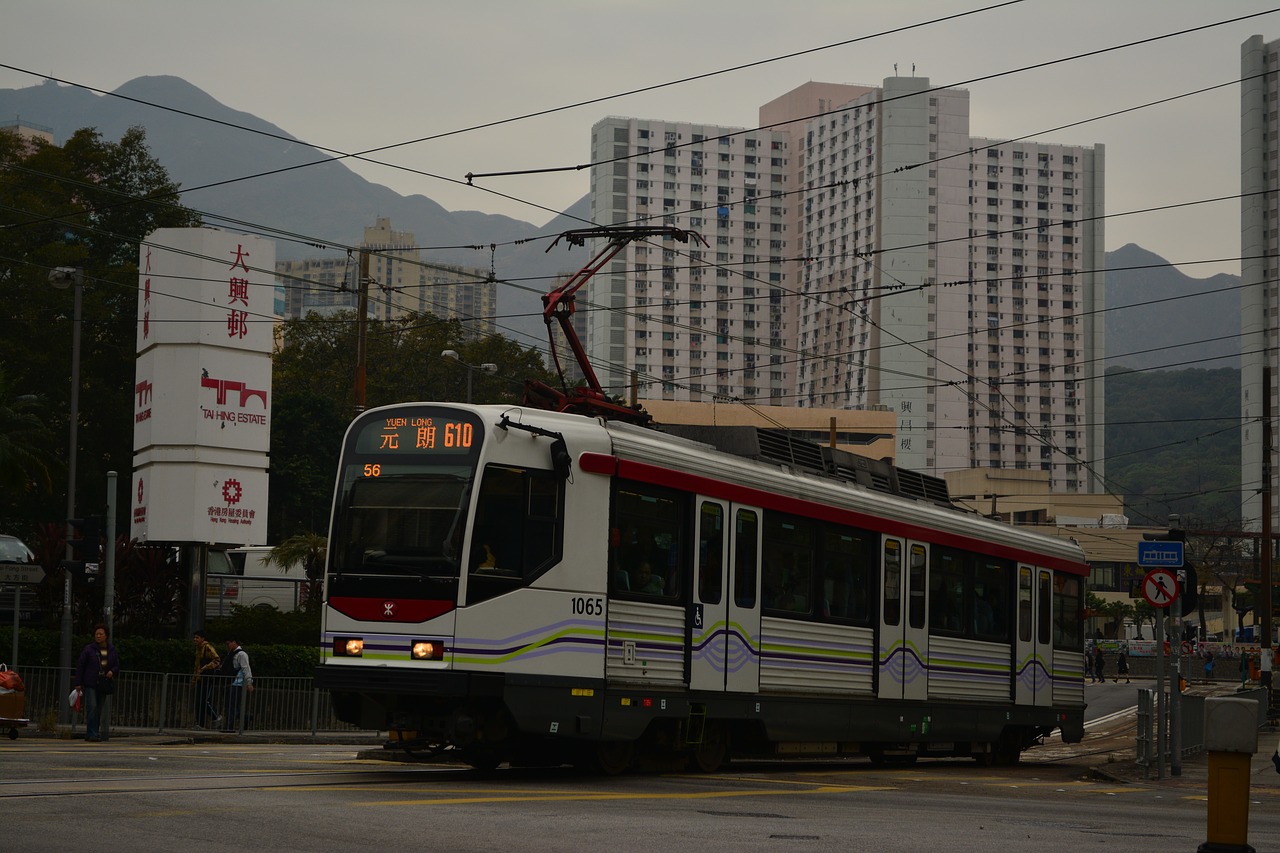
pixel 587 606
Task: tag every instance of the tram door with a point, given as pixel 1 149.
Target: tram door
pixel 1035 637
pixel 724 616
pixel 904 635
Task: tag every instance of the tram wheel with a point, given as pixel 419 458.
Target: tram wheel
pixel 612 757
pixel 1007 756
pixel 883 759
pixel 710 755
pixel 483 759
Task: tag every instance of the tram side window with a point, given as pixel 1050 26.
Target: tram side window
pixel 892 581
pixel 916 587
pixel 1024 604
pixel 645 544
pixel 710 546
pixel 1067 621
pixel 969 595
pixel 517 531
pixel 848 558
pixel 786 574
pixel 947 592
pixel 745 559
pixel 1044 628
pixel 991 581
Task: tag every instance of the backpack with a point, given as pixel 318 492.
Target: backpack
pixel 228 667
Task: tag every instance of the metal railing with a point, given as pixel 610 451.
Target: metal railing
pixel 1192 724
pixel 166 700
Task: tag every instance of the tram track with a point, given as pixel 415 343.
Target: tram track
pixel 178 783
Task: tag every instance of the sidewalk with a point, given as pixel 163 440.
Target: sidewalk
pixel 1263 777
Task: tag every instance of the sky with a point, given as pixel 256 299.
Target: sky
pixel 358 76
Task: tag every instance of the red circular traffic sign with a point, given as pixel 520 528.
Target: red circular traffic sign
pixel 1160 587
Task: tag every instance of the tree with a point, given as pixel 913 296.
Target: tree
pixel 1118 612
pixel 87 204
pixel 314 368
pixel 27 458
pixel 1223 559
pixel 1173 441
pixel 1144 612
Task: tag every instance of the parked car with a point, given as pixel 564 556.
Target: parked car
pixel 18 574
pixel 14 550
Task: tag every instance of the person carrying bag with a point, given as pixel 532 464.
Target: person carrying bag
pixel 237 665
pixel 96 671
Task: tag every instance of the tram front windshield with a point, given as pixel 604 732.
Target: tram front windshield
pixel 406 479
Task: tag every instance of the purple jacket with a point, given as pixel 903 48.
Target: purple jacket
pixel 88 664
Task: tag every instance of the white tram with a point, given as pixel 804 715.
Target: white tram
pixel 534 587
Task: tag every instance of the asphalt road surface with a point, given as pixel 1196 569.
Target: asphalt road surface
pixel 169 793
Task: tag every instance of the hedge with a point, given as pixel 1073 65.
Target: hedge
pixel 279 645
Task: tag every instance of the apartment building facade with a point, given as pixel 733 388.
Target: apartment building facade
pixel 693 322
pixel 906 264
pixel 956 280
pixel 401 283
pixel 1259 271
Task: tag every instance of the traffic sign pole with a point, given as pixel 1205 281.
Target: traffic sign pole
pixel 17 609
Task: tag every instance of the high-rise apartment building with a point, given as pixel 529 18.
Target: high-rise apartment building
pixel 1259 270
pixel 400 283
pixel 953 279
pixel 956 280
pixel 694 322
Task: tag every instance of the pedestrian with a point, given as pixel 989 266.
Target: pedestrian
pixel 241 683
pixel 1208 665
pixel 95 676
pixel 1122 667
pixel 1244 667
pixel 203 678
pixel 1089 668
pixel 1099 664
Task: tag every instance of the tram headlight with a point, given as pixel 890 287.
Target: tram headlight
pixel 349 647
pixel 427 650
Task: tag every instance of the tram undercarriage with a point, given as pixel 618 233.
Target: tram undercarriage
pixel 611 730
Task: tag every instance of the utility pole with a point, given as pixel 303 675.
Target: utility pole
pixel 1264 606
pixel 109 562
pixel 362 324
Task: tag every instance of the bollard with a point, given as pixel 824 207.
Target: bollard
pixel 1231 739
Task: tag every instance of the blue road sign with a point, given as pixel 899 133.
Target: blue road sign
pixel 1163 554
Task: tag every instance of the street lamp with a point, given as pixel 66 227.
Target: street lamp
pixel 62 278
pixel 487 367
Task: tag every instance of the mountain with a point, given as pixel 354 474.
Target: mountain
pixel 323 202
pixel 1158 317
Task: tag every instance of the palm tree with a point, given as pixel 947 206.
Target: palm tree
pixel 25 442
pixel 309 549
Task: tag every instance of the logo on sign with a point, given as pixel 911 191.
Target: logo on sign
pixel 1162 554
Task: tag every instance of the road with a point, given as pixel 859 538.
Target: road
pixel 166 793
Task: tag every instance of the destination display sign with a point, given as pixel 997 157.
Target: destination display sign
pixel 421 432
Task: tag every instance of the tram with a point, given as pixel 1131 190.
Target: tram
pixel 517 585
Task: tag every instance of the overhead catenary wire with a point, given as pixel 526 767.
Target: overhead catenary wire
pixel 363 155
pixel 979 79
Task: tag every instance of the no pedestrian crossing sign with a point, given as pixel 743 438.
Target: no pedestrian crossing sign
pixel 1165 554
pixel 1160 587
